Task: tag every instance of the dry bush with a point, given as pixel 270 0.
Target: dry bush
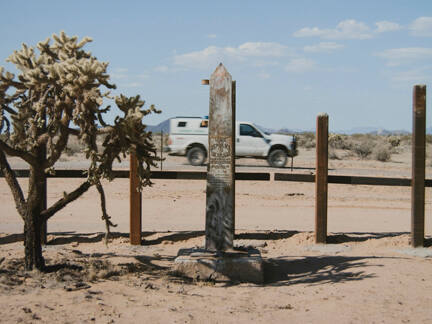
pixel 339 141
pixel 306 140
pixel 333 155
pixel 363 149
pixel 74 146
pixel 382 152
pixel 394 141
pixel 157 140
pixel 405 140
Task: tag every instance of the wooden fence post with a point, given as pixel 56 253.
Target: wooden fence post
pixel 220 170
pixel 161 148
pixel 44 204
pixel 418 166
pixel 44 225
pixel 135 202
pixel 321 184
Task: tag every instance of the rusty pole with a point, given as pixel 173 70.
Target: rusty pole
pixel 321 184
pixel 44 225
pixel 135 202
pixel 161 148
pixel 418 166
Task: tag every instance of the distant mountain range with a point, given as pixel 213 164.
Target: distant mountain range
pixel 164 127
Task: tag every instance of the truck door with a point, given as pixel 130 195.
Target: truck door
pixel 249 142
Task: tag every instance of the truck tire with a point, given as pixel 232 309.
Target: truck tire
pixel 196 156
pixel 277 158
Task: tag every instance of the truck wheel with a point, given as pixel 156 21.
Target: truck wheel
pixel 277 158
pixel 196 156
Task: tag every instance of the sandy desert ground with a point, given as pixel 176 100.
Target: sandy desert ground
pixel 366 274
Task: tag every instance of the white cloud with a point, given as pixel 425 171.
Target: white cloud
pixel 386 26
pixel 417 76
pixel 422 26
pixel 144 75
pixel 325 47
pixel 119 73
pixel 398 56
pixel 200 59
pixel 211 36
pixel 299 65
pixel 161 68
pixel 262 63
pixel 346 29
pixel 257 49
pixel 213 55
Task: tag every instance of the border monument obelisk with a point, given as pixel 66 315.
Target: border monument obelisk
pixel 221 164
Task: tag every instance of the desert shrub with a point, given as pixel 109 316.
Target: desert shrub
pixel 333 155
pixel 394 141
pixel 405 140
pixel 339 141
pixel 363 149
pixel 306 140
pixel 382 153
pixel 429 139
pixel 73 147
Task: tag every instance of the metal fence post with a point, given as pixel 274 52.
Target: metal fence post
pixel 135 202
pixel 418 166
pixel 321 184
pixel 161 148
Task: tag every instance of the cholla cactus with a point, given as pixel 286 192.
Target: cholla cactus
pixel 58 94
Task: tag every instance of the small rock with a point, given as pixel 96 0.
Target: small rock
pixel 26 310
pixel 149 286
pixel 288 306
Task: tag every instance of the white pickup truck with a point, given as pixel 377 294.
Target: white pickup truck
pixel 189 136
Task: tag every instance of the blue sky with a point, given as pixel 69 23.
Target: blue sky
pixel 355 60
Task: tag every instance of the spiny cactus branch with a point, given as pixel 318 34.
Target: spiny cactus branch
pixel 14 186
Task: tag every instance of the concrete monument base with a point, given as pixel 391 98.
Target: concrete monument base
pixel 243 265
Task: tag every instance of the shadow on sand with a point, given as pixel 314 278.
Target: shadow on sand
pixel 337 238
pixel 334 238
pixel 315 270
pixel 280 271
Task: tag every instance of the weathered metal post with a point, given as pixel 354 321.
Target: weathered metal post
pixel 135 202
pixel 321 184
pixel 44 204
pixel 418 166
pixel 161 148
pixel 44 225
pixel 220 170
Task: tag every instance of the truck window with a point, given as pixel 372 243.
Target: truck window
pixel 181 124
pixel 204 123
pixel 248 130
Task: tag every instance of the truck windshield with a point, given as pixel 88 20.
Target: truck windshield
pixel 261 130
